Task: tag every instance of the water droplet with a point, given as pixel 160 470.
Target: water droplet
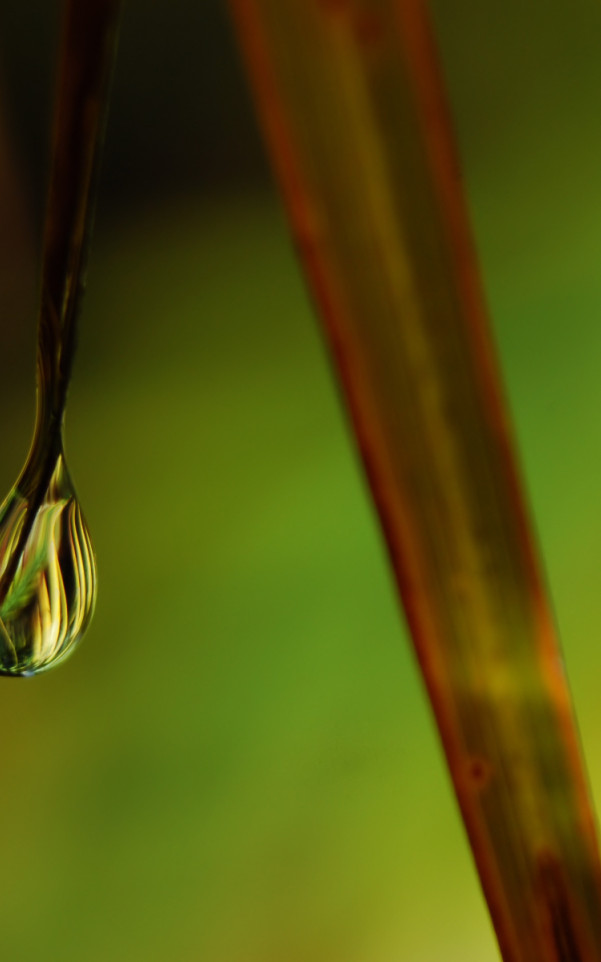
pixel 47 574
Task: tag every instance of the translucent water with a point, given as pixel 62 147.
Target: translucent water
pixel 47 575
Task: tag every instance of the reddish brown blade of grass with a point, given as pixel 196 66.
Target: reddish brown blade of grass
pixel 353 109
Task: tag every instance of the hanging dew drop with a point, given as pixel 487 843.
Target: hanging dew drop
pixel 47 576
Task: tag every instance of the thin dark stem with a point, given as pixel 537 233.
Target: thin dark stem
pixel 85 63
pixel 86 59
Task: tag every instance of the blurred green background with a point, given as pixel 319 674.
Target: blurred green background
pixel 239 764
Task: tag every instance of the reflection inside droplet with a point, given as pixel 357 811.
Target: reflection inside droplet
pixel 47 575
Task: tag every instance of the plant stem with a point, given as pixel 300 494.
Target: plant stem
pixel 353 109
pixel 85 65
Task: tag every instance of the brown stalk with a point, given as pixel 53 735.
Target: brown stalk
pixel 353 109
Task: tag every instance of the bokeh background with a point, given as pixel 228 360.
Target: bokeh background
pixel 239 764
